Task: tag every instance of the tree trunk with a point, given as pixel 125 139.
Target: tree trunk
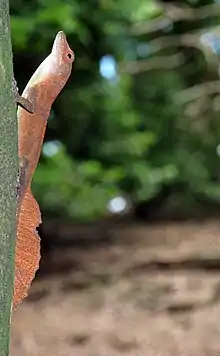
pixel 8 177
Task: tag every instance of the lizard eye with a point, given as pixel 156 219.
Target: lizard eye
pixel 70 56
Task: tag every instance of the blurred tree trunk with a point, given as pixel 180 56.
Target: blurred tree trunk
pixel 8 178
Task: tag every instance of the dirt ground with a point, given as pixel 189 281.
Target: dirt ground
pixel 151 290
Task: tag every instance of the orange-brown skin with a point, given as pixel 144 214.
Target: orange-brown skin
pixel 42 89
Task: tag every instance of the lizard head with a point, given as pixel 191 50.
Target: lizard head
pixel 60 63
pixel 61 54
pixel 55 70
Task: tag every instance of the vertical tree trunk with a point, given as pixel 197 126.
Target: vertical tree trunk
pixel 8 177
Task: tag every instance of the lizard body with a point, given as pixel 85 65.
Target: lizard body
pixel 41 91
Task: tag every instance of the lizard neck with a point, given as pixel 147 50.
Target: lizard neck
pixel 31 128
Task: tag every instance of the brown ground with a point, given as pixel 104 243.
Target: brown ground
pixel 153 291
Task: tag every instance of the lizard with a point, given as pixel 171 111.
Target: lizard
pixel 33 112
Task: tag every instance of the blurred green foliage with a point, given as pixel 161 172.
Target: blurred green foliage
pixel 132 134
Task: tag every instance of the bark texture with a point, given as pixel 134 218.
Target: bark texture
pixel 8 177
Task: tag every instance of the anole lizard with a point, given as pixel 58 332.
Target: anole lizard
pixel 42 89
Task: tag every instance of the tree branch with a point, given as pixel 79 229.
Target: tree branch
pixel 190 39
pixel 197 91
pixel 160 62
pixel 173 13
pixel 8 178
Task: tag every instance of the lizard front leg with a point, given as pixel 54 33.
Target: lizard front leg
pixel 20 100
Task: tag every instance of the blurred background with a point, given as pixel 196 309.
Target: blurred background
pixel 128 182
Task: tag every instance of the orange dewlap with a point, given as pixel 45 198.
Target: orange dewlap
pixel 27 249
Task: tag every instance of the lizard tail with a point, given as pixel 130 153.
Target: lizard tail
pixel 27 249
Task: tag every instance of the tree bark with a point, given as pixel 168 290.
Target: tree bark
pixel 8 177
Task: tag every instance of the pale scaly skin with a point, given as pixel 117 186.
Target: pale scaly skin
pixel 42 89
